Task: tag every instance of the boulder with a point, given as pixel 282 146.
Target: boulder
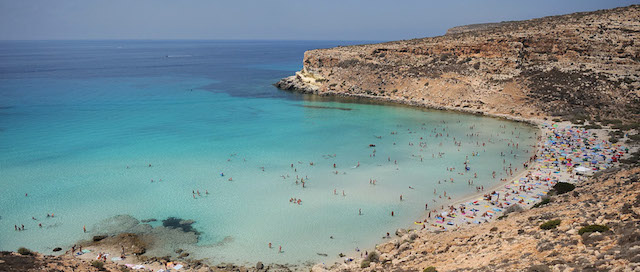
pixel 98 238
pixel 259 266
pixel 57 249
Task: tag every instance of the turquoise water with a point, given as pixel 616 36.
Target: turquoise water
pixel 80 126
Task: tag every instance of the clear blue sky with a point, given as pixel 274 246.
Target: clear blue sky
pixel 266 19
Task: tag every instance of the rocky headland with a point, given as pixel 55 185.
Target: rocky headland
pixel 576 66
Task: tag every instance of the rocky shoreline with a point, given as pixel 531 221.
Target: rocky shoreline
pixel 575 67
pixel 294 84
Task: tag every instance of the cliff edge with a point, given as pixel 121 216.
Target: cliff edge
pixel 581 64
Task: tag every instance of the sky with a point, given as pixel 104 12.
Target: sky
pixel 373 20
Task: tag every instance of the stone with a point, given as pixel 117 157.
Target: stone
pixel 57 249
pixel 259 266
pixel 98 238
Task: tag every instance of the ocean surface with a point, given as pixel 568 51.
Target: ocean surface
pixel 90 130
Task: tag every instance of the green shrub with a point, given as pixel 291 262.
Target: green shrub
pixel 545 201
pixel 365 263
pixel 593 126
pixel 97 264
pixel 593 228
pixel 551 224
pixel 612 121
pixel 430 269
pixel 563 187
pixel 24 251
pixel 633 159
pixel 634 138
pixel 626 127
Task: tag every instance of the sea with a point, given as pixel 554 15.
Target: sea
pixel 192 137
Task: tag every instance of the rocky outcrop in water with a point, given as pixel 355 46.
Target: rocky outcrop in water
pixel 571 65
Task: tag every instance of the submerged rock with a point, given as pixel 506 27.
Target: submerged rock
pixel 173 222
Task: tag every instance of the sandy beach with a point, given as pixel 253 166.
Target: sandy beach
pixel 561 149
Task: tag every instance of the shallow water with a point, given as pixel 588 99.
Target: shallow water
pixel 80 123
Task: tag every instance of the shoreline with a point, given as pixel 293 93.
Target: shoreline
pixel 154 262
pixel 288 85
pixel 401 234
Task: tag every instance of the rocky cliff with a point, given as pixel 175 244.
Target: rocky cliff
pixel 474 27
pixel 581 64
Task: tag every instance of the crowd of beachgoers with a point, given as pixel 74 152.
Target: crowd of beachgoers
pixel 564 154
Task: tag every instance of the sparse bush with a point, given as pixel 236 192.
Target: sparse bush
pixel 563 187
pixel 24 251
pixel 633 159
pixel 545 201
pixel 365 263
pixel 593 126
pixel 551 224
pixel 513 208
pixel 593 228
pixel 612 121
pixel 97 264
pixel 430 269
pixel 634 138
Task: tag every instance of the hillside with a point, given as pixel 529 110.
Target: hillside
pixel 576 65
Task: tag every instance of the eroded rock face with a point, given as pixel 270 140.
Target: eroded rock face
pixel 576 64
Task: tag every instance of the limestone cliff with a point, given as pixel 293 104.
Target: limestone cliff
pixel 571 65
